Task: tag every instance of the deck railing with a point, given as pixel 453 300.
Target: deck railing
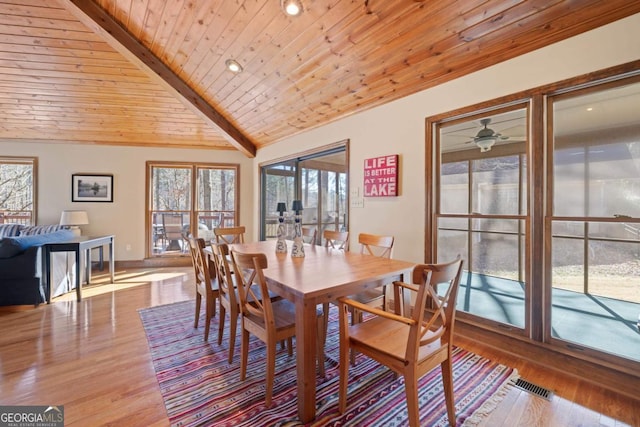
pixel 23 217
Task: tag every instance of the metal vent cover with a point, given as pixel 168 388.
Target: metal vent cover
pixel 533 389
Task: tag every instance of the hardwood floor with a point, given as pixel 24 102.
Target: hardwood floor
pixel 93 358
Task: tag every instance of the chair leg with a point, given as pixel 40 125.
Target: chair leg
pixel 411 390
pixel 290 346
pixel 321 337
pixel 344 361
pixel 271 367
pixel 244 356
pixel 211 309
pixel 356 317
pixel 233 323
pixel 223 313
pixel 447 380
pixel 325 312
pixel 198 304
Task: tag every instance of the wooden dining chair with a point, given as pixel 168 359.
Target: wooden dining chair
pixel 229 235
pixel 309 235
pixel 381 246
pixel 229 298
pixel 270 321
pixel 409 345
pixel 336 239
pixel 206 283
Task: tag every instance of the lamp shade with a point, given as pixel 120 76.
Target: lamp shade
pixel 74 218
pixel 296 206
pixel 282 208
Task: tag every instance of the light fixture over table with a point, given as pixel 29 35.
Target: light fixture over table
pixel 73 219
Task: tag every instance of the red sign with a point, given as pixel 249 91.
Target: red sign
pixel 381 176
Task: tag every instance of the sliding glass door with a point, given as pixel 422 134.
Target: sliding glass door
pixel 318 179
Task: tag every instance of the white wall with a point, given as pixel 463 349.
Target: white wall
pixel 398 127
pixel 125 217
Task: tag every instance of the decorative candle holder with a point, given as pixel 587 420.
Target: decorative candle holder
pixel 281 244
pixel 297 249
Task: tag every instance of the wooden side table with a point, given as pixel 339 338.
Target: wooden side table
pixel 79 245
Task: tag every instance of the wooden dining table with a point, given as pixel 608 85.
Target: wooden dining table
pixel 321 276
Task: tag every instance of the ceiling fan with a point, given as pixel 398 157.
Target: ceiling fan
pixel 486 137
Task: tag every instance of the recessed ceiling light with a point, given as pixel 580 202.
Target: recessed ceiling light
pixel 291 7
pixel 589 108
pixel 233 66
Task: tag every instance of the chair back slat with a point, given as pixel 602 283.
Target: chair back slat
pixel 336 239
pixel 223 272
pixel 252 285
pixel 309 235
pixel 203 273
pixel 229 235
pixel 372 244
pixel 440 324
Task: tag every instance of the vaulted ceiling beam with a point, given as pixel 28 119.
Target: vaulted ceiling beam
pixel 98 20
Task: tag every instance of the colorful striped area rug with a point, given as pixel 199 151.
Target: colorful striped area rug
pixel 200 388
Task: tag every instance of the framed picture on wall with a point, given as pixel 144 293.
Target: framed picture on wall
pixel 91 188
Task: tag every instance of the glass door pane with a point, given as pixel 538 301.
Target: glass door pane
pixel 482 212
pixel 170 196
pixel 216 195
pixel 595 222
pixel 278 186
pixel 319 180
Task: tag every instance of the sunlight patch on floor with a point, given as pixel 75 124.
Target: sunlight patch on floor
pixel 125 280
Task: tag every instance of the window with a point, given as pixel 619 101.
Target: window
pixel 188 199
pixel 482 211
pixel 541 197
pixel 18 190
pixel 319 179
pixel 595 217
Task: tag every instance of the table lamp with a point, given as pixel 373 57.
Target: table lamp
pixel 72 219
pixel 297 249
pixel 281 244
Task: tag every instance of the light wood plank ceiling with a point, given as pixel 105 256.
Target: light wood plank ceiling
pixel 152 72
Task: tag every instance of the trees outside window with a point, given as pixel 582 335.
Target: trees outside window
pixel 17 190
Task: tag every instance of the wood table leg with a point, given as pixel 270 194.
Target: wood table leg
pixel 306 359
pixel 78 273
pixel 112 260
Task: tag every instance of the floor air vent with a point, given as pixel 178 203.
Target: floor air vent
pixel 533 389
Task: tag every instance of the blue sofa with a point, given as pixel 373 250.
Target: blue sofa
pixel 21 263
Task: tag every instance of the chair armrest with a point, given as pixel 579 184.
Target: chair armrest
pixel 386 314
pixel 409 286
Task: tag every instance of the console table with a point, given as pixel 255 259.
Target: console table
pixel 79 245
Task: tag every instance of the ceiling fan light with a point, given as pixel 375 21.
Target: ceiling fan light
pixel 485 144
pixel 233 66
pixel 291 7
